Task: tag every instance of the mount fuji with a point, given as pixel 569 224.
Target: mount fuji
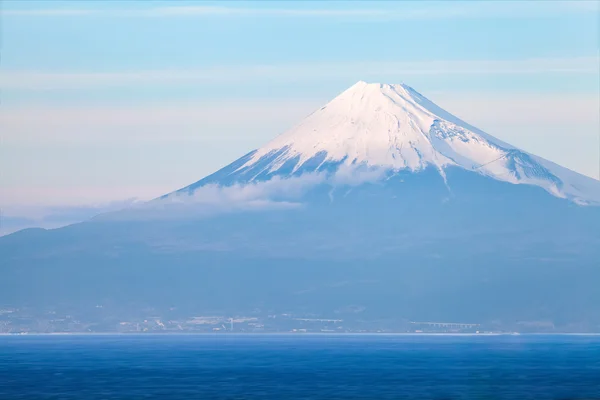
pixel 393 128
pixel 379 206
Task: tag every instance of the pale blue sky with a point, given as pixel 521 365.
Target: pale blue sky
pixel 105 101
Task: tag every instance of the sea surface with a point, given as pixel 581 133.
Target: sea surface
pixel 229 366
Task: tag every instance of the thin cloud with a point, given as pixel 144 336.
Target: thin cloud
pixel 277 188
pixel 267 12
pixel 39 80
pixel 198 122
pixel 262 119
pixel 205 11
pixel 274 194
pixel 403 12
pixel 49 12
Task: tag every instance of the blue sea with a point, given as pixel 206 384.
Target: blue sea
pixel 228 366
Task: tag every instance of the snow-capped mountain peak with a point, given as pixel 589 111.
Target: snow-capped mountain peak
pixel 374 124
pixel 396 128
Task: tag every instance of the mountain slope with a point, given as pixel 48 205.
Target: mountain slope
pixel 392 127
pixel 379 202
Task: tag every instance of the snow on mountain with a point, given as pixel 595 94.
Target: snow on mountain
pixel 395 128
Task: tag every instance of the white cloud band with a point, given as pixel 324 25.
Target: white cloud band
pixel 406 11
pixel 39 80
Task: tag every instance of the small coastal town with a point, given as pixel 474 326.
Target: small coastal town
pixel 29 321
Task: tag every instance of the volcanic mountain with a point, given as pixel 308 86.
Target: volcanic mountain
pixel 379 206
pixel 394 128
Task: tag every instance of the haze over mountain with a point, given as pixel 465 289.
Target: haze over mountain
pixel 378 205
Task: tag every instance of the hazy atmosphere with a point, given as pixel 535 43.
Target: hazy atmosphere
pixel 300 200
pixel 108 103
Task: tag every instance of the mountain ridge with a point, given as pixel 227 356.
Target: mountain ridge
pixel 393 127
